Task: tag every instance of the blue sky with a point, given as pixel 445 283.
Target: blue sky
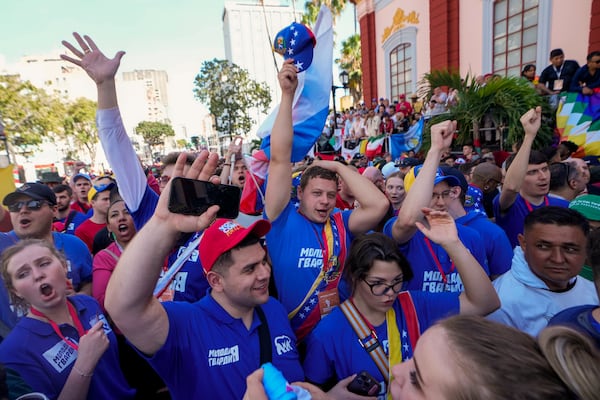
pixel 174 35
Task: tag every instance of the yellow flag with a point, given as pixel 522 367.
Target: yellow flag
pixel 7 181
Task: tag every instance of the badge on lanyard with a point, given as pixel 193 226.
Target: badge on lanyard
pixel 558 84
pixel 328 300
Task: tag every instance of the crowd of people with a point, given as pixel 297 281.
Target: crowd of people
pixel 405 269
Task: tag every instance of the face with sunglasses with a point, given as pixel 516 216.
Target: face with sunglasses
pixel 32 218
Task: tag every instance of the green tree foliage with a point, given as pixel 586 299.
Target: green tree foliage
pixel 312 7
pixel 504 100
pixel 80 126
pixel 154 133
pixel 230 93
pixel 351 62
pixel 28 113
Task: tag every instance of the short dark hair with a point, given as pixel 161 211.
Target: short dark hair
pixel 556 53
pixel 224 261
pixel 365 250
pixel 171 158
pixel 561 173
pixel 535 157
pixel 554 215
pixel 592 55
pixel 62 188
pixel 317 172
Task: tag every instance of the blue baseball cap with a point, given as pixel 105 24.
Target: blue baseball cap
pixel 296 41
pixel 410 177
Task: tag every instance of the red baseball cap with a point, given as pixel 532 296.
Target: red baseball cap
pixel 225 234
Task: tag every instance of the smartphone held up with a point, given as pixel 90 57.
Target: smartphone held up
pixel 194 197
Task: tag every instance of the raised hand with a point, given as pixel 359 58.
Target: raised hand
pixel 442 134
pixel 532 121
pixel 442 228
pixel 288 77
pixel 202 169
pixel 89 57
pixel 92 346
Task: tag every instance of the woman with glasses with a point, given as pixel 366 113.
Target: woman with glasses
pixel 379 325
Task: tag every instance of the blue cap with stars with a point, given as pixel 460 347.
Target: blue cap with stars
pixel 297 42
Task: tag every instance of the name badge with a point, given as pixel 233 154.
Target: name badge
pixel 558 84
pixel 328 300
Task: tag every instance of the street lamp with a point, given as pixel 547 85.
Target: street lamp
pixel 344 80
pixel 4 139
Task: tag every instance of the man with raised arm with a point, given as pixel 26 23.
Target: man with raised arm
pixel 428 187
pixel 187 282
pixel 308 244
pixel 207 348
pixel 526 184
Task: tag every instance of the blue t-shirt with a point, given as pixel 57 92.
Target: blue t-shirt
pixel 45 361
pixel 333 350
pixel 208 354
pixel 77 220
pixel 189 284
pixel 581 319
pixel 295 246
pixel 512 220
pixel 497 247
pixel 426 275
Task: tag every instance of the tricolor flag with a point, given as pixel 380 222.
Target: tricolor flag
pixel 374 146
pixel 578 120
pixel 403 142
pixel 311 101
pixel 309 110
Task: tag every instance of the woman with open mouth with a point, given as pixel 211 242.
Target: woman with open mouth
pixel 63 347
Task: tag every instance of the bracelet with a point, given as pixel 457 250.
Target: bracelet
pixel 82 374
pixel 227 164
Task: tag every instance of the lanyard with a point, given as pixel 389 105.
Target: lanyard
pixel 326 244
pixel 56 329
pixel 530 207
pixel 558 72
pixel 366 321
pixel 437 262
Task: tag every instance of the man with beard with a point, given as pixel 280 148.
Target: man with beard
pixel 67 219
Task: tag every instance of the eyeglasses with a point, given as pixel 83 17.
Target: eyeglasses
pixel 380 288
pixel 444 195
pixel 164 179
pixel 32 205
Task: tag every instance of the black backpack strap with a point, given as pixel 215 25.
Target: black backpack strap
pixel 69 220
pixel 264 337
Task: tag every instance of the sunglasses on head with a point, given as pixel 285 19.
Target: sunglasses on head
pixel 30 204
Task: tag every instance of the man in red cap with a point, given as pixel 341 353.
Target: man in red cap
pixel 221 337
pixel 404 106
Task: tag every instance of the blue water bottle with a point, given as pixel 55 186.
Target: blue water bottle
pixel 276 386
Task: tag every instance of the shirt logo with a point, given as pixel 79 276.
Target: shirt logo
pixel 283 344
pixel 60 356
pixel 223 356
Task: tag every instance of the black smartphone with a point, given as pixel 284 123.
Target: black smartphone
pixel 193 197
pixel 364 384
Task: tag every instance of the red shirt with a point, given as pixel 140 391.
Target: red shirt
pixel 87 231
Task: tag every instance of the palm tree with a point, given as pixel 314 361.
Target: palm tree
pixel 311 10
pixel 351 61
pixel 503 99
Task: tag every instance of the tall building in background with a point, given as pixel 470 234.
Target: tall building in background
pixel 156 99
pixel 248 31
